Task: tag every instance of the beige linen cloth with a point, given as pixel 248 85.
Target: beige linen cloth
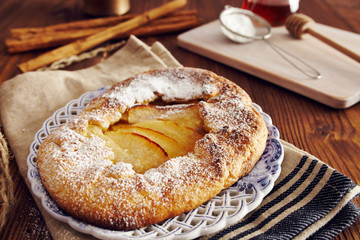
pixel 27 100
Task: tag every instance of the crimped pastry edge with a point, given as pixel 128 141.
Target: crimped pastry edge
pixel 222 156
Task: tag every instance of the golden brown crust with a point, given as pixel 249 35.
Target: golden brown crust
pixel 81 176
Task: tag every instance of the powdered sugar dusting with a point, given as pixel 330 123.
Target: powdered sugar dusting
pixel 80 171
pixel 173 85
pixel 226 112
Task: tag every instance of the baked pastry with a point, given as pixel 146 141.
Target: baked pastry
pixel 152 147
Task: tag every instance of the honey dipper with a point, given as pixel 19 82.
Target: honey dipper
pixel 298 24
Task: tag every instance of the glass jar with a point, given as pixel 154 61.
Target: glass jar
pixel 274 11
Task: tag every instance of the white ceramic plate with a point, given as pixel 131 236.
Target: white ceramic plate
pixel 226 208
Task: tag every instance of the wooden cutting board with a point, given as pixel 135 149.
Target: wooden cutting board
pixel 339 86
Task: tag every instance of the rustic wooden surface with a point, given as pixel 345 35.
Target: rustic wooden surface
pixel 331 135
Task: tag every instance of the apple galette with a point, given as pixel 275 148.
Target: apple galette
pixel 152 147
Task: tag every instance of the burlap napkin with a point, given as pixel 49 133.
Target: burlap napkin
pixel 307 196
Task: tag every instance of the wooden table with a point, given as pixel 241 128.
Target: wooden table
pixel 331 135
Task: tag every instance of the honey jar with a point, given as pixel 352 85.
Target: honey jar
pixel 274 11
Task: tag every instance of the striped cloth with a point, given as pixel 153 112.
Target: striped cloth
pixel 309 200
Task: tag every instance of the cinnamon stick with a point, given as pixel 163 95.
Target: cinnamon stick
pixel 83 24
pixel 46 39
pixel 27 33
pixel 93 40
pixel 86 24
pixel 162 28
pixel 65 37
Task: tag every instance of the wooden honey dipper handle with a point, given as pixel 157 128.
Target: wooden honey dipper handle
pixel 298 24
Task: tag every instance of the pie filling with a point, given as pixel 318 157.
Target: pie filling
pixel 149 135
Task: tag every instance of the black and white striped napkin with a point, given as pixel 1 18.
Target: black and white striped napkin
pixel 309 200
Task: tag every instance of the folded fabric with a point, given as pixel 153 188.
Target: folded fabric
pixel 309 199
pixel 307 196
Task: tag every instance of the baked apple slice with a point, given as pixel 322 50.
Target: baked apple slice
pixel 184 114
pixel 141 152
pixel 185 136
pixel 170 145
